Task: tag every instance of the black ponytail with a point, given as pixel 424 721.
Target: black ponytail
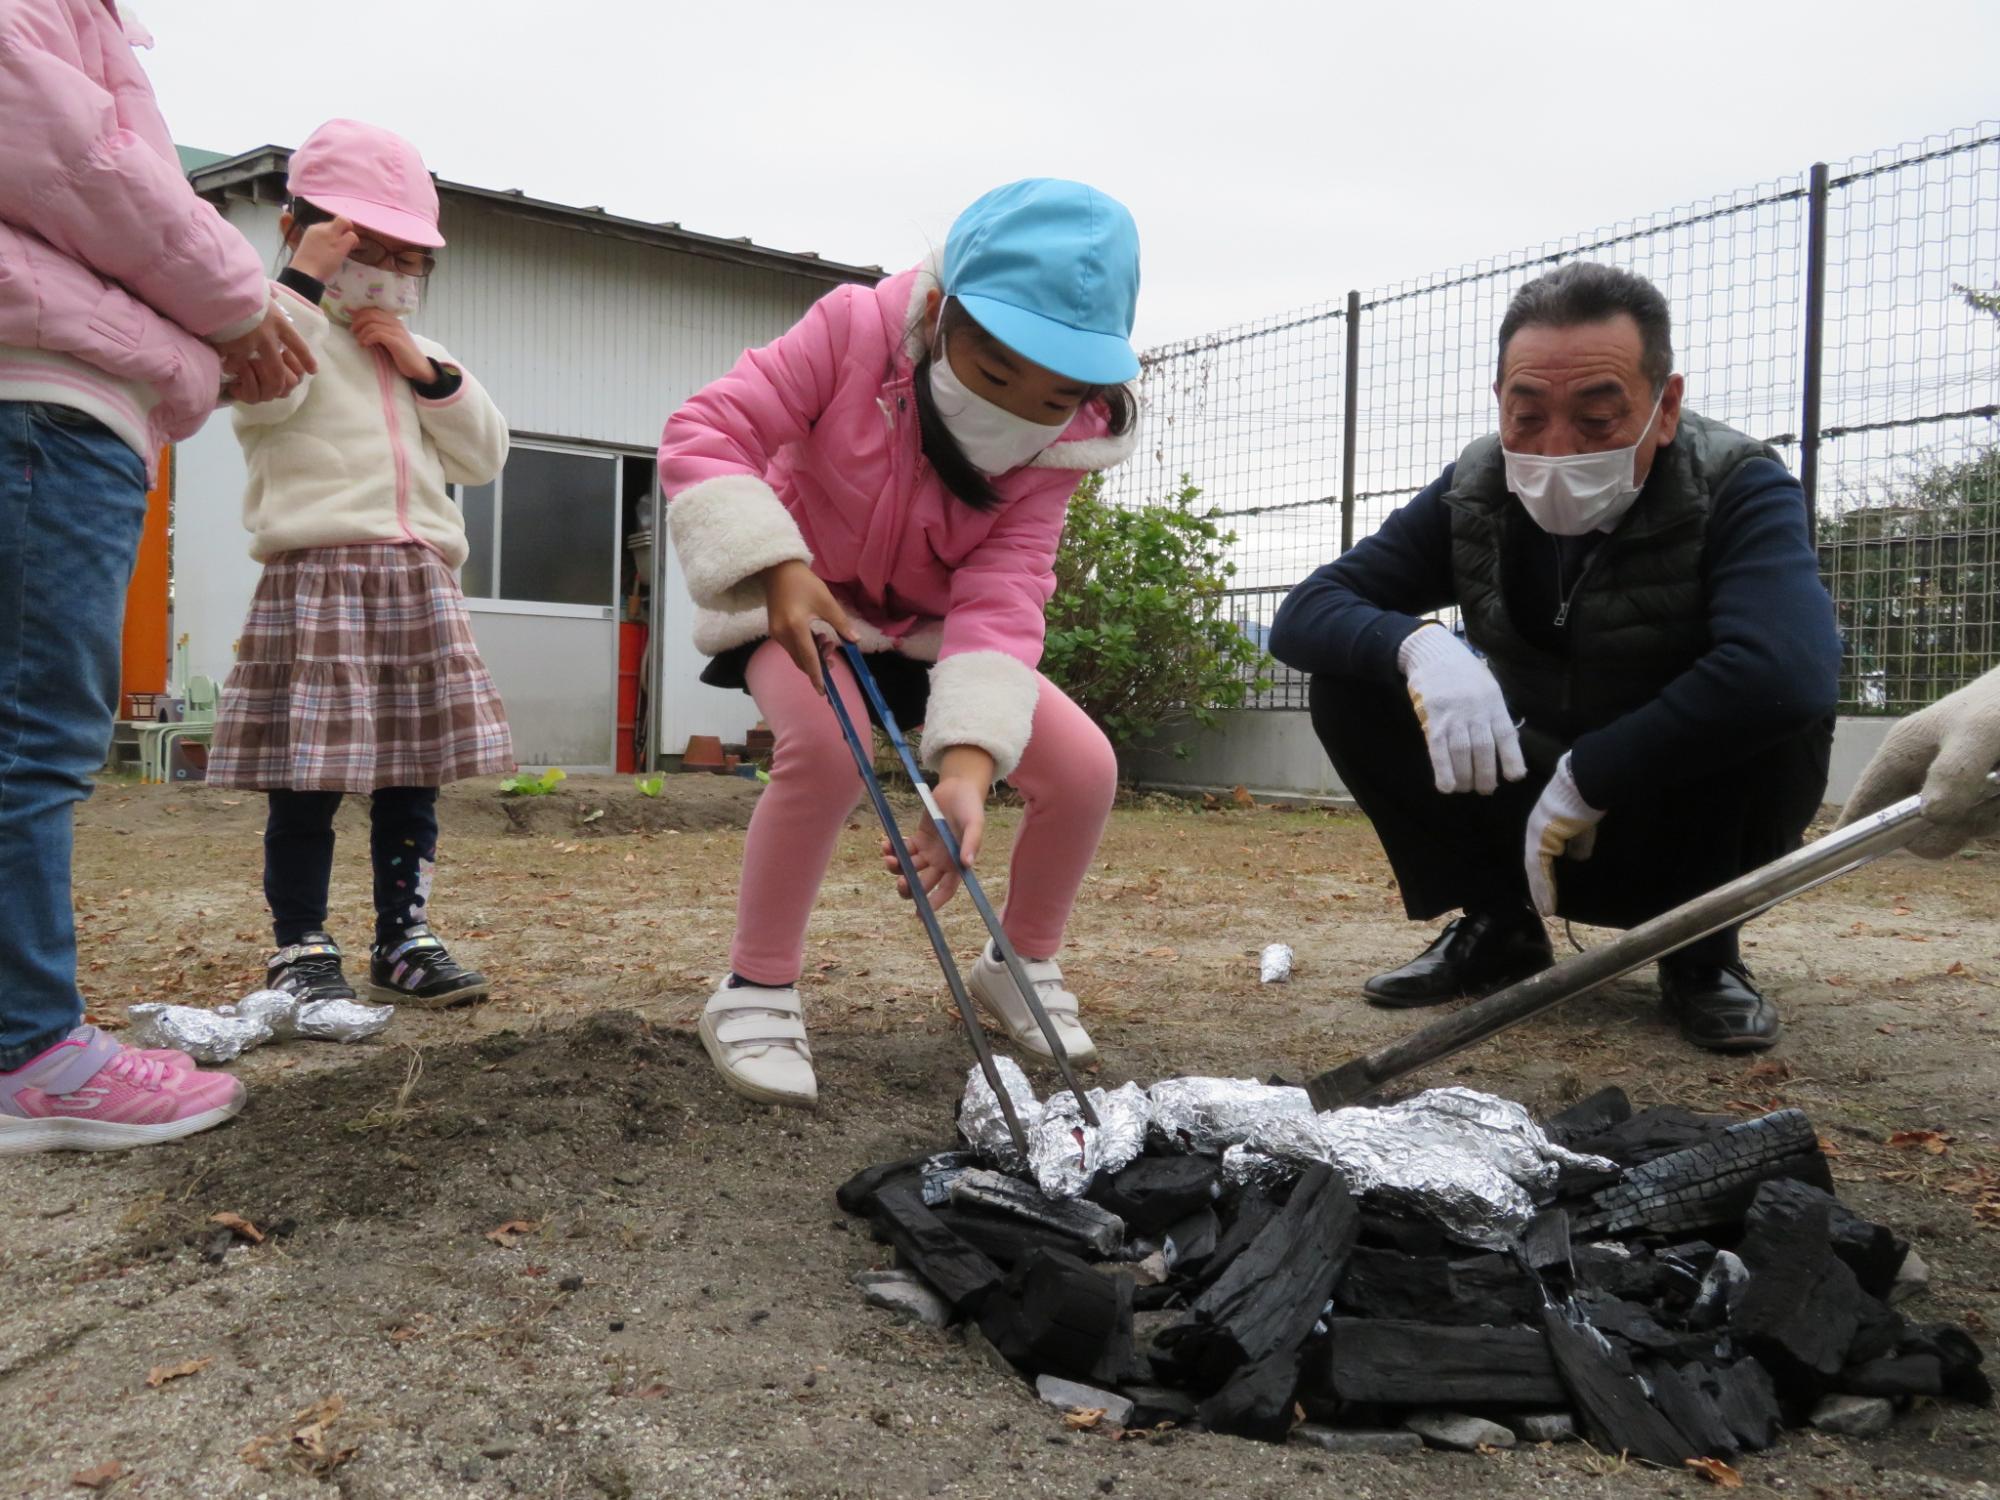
pixel 959 474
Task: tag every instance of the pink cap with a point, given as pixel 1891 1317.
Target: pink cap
pixel 370 175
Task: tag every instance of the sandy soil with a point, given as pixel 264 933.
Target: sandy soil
pixel 677 1319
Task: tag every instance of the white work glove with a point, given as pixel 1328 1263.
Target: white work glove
pixel 1944 751
pixel 1561 824
pixel 1472 738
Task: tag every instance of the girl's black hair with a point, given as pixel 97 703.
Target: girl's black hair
pixel 958 472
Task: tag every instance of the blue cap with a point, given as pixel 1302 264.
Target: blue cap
pixel 1051 269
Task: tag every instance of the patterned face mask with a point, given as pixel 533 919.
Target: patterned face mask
pixel 355 286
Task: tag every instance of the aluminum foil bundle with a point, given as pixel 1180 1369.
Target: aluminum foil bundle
pixel 1275 967
pixel 318 1020
pixel 207 1036
pixel 1470 1161
pixel 227 1032
pixel 1242 1167
pixel 1208 1115
pixel 1065 1152
pixel 982 1124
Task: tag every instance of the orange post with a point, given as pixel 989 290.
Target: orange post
pixel 146 649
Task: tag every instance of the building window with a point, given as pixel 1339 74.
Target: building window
pixel 546 531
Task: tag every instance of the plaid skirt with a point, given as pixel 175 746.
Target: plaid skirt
pixel 357 670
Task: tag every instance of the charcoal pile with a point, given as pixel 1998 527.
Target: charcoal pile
pixel 1446 1270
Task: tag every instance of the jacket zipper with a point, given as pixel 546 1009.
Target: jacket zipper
pixel 1562 615
pixel 384 379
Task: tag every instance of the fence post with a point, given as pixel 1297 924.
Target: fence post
pixel 1352 401
pixel 1815 351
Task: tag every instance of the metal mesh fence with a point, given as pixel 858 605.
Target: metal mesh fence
pixel 1902 388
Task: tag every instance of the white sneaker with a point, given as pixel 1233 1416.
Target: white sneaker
pixel 757 1039
pixel 994 988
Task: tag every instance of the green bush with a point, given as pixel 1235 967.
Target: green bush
pixel 1138 630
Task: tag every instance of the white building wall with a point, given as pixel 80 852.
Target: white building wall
pixel 579 336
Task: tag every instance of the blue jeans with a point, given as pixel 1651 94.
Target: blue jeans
pixel 72 507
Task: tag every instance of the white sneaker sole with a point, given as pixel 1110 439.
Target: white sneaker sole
pixel 718 1054
pixel 25 1137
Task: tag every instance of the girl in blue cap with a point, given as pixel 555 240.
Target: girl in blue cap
pixel 895 471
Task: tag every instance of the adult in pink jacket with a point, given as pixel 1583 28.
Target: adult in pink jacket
pixel 126 305
pixel 895 471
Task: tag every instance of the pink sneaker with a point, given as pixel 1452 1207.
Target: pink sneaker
pixel 87 1093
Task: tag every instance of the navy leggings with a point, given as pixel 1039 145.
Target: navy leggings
pixel 298 859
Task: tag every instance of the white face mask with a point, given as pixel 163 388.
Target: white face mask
pixel 355 286
pixel 1579 492
pixel 993 439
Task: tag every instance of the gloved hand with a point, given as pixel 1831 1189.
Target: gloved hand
pixel 1562 823
pixel 1472 739
pixel 1944 751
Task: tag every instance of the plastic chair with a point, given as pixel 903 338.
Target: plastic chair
pixel 196 724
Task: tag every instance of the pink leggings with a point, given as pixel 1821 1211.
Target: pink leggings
pixel 1068 777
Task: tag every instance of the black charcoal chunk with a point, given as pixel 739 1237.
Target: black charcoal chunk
pixel 1895 1375
pixel 1606 1391
pixel 1267 1301
pixel 1005 1239
pixel 1748 1401
pixel 1802 1308
pixel 959 1273
pixel 1712 1183
pixel 1684 1398
pixel 1603 1110
pixel 1055 1314
pixel 1256 1401
pixel 1155 1191
pixel 857 1194
pixel 1083 1221
pixel 1392 1362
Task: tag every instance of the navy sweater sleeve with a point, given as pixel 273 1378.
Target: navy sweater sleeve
pixel 1348 618
pixel 1773 662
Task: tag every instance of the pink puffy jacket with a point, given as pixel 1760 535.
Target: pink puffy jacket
pixel 106 253
pixel 809 450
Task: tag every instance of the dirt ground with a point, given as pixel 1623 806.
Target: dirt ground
pixel 674 1315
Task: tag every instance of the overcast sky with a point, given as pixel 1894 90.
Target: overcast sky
pixel 1273 154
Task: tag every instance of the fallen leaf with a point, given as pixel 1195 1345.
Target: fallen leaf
pixel 101 1477
pixel 1886 1030
pixel 159 1375
pixel 1162 953
pixel 1242 798
pixel 1771 1067
pixel 1899 911
pixel 1083 1418
pixel 1715 1471
pixel 1933 1141
pixel 510 1234
pixel 240 1225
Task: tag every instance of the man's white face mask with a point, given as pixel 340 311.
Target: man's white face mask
pixel 1579 492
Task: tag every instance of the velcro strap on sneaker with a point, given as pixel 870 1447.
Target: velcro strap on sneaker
pixel 739 1030
pixel 298 951
pixel 751 997
pixel 410 945
pixel 1056 1002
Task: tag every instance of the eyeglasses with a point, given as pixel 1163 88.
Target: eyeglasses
pixel 379 257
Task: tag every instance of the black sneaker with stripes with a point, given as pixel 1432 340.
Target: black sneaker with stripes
pixel 416 970
pixel 309 969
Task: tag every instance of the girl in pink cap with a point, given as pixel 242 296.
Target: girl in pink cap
pixel 895 470
pixel 357 670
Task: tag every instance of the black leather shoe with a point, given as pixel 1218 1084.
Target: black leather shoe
pixel 1475 955
pixel 1718 1008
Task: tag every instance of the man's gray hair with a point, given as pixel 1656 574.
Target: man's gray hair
pixel 1586 292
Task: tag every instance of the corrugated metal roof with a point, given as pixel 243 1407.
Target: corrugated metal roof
pixel 266 164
